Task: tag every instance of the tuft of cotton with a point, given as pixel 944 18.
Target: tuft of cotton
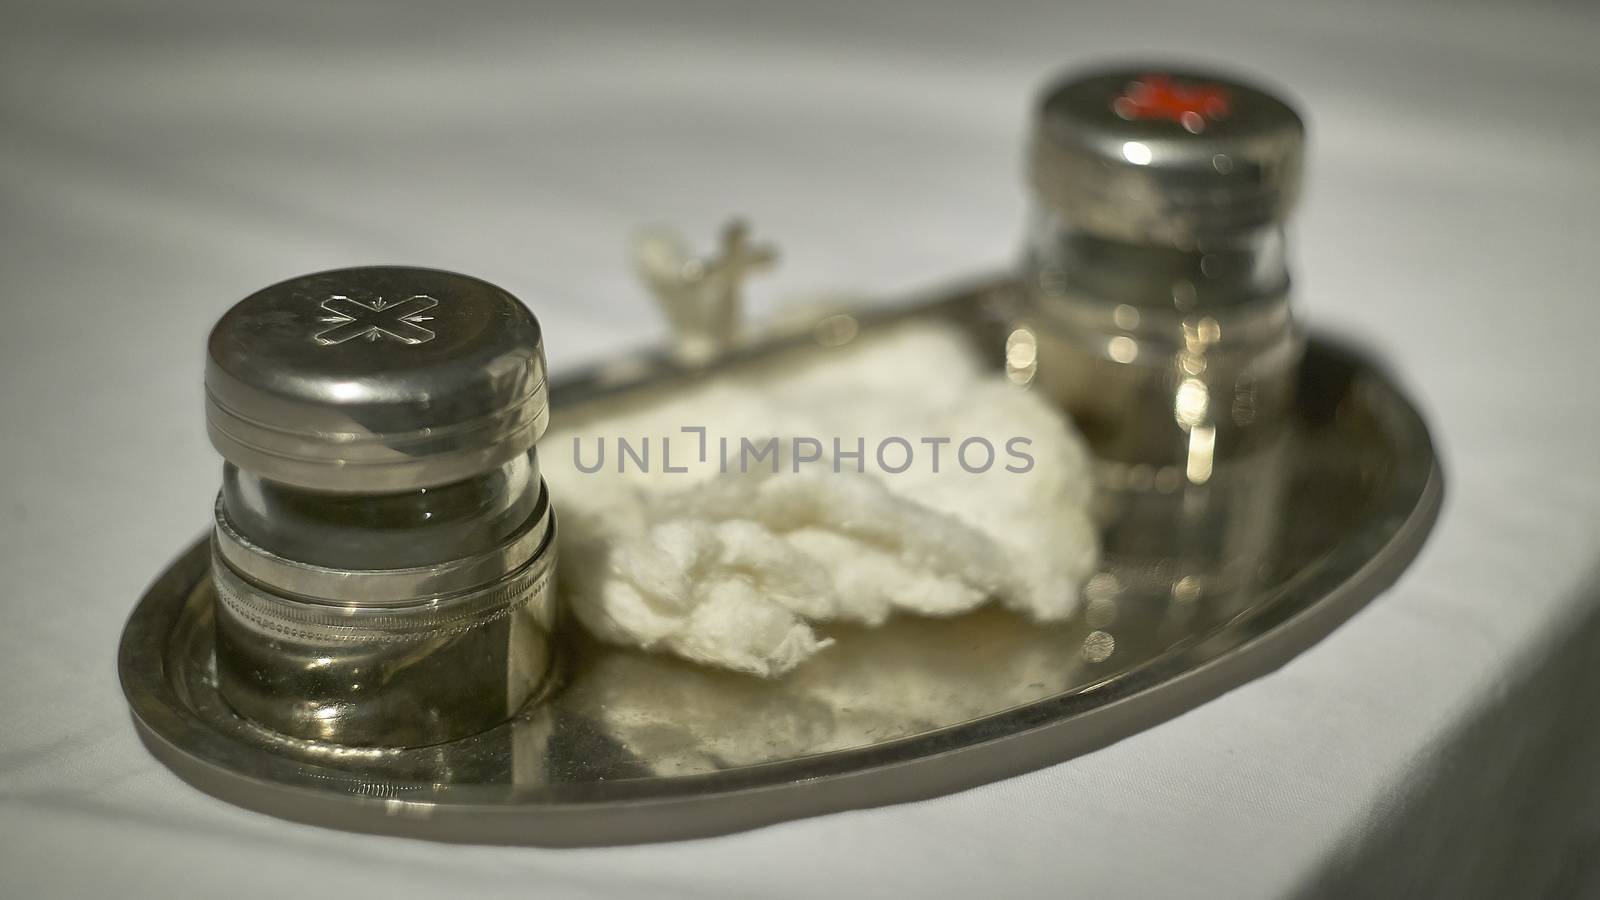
pixel 734 569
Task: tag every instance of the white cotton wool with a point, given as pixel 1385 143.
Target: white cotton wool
pixel 733 568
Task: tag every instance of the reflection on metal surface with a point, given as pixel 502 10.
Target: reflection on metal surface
pixel 643 747
pixel 1022 356
pixel 1202 443
pixel 836 330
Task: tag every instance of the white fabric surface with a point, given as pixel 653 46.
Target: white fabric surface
pixel 157 163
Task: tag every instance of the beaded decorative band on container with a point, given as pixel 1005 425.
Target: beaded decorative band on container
pixel 421 619
pixel 369 590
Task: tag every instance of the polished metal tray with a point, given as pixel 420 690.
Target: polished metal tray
pixel 638 747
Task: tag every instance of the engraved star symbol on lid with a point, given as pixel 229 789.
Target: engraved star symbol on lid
pixel 1190 104
pixel 351 319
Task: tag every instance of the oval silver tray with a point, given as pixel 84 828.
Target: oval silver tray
pixel 640 747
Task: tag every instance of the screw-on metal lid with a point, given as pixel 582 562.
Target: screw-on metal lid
pixel 375 379
pixel 1151 155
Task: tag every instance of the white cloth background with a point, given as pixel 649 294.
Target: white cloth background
pixel 159 162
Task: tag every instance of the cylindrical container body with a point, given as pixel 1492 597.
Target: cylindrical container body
pixel 383 556
pixel 1158 299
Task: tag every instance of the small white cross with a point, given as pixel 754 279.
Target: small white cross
pixel 701 296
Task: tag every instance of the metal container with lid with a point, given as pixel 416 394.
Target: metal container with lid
pixel 1158 299
pixel 383 552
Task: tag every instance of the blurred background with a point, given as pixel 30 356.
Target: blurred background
pixel 161 160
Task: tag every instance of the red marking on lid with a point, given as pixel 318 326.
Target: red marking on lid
pixel 1191 105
